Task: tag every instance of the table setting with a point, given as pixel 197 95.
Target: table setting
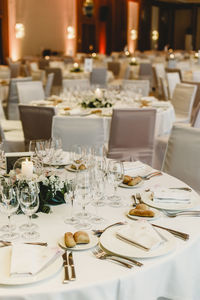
pixel 105 243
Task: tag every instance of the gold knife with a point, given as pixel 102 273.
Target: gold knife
pixel 71 263
pixel 65 265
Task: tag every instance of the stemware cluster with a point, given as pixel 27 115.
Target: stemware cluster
pixel 88 186
pixel 12 200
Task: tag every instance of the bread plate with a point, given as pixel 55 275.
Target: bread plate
pixel 80 247
pixel 126 186
pixel 157 214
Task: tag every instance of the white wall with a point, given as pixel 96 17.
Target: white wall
pixel 45 23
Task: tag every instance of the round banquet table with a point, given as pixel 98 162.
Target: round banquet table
pixel 174 275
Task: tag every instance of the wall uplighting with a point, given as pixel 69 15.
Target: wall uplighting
pixel 70 32
pixel 19 30
pixel 155 35
pixel 133 34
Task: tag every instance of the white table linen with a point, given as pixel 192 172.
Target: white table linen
pixel 175 275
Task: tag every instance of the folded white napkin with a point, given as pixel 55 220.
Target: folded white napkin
pixel 27 260
pixel 164 195
pixel 136 168
pixel 141 232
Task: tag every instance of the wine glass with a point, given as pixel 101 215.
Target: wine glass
pixel 98 193
pixel 71 197
pixel 84 192
pixel 115 176
pixel 9 205
pixel 77 155
pixel 29 203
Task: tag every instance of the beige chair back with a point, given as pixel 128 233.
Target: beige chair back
pixel 182 155
pixel 132 134
pixel 36 122
pixel 182 100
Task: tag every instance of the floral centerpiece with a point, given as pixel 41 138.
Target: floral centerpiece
pixel 133 62
pixel 51 188
pixel 76 68
pixel 96 103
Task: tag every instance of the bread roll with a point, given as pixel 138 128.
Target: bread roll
pixel 81 237
pixel 127 179
pixel 141 213
pixel 82 167
pixel 69 240
pixel 142 206
pixel 135 181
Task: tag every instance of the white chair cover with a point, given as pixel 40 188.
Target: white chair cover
pixel 13 113
pixel 138 86
pixel 182 155
pixel 76 84
pixel 78 130
pixel 159 73
pixel 48 85
pixel 132 134
pixel 196 76
pixel 172 78
pixel 4 72
pixel 29 91
pixel 98 76
pixel 183 100
pixel 164 88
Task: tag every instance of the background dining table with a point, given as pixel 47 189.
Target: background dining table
pixel 174 275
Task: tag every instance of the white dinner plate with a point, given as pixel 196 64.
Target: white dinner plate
pixel 126 186
pixel 157 214
pixel 80 247
pixel 194 202
pixel 111 243
pixel 5 279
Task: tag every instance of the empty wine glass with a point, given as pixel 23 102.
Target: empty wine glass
pixel 77 155
pixel 84 192
pixel 29 203
pixel 115 175
pixel 98 193
pixel 9 205
pixel 71 197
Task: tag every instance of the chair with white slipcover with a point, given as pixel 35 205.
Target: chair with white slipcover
pixel 182 155
pixel 78 130
pixel 29 91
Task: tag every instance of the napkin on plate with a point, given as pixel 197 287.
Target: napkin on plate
pixel 136 168
pixel 141 232
pixel 28 260
pixel 164 195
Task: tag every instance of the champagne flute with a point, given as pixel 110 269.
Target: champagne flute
pixel 115 175
pixel 71 197
pixel 98 193
pixel 84 191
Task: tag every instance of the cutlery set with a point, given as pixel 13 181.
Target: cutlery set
pixel 125 261
pixel 68 264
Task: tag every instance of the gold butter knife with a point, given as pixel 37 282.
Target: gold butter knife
pixel 71 263
pixel 65 265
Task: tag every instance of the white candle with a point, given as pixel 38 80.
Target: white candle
pixel 98 93
pixel 171 56
pixel 27 169
pixel 76 65
pixel 133 60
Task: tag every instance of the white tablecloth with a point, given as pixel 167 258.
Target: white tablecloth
pixel 175 275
